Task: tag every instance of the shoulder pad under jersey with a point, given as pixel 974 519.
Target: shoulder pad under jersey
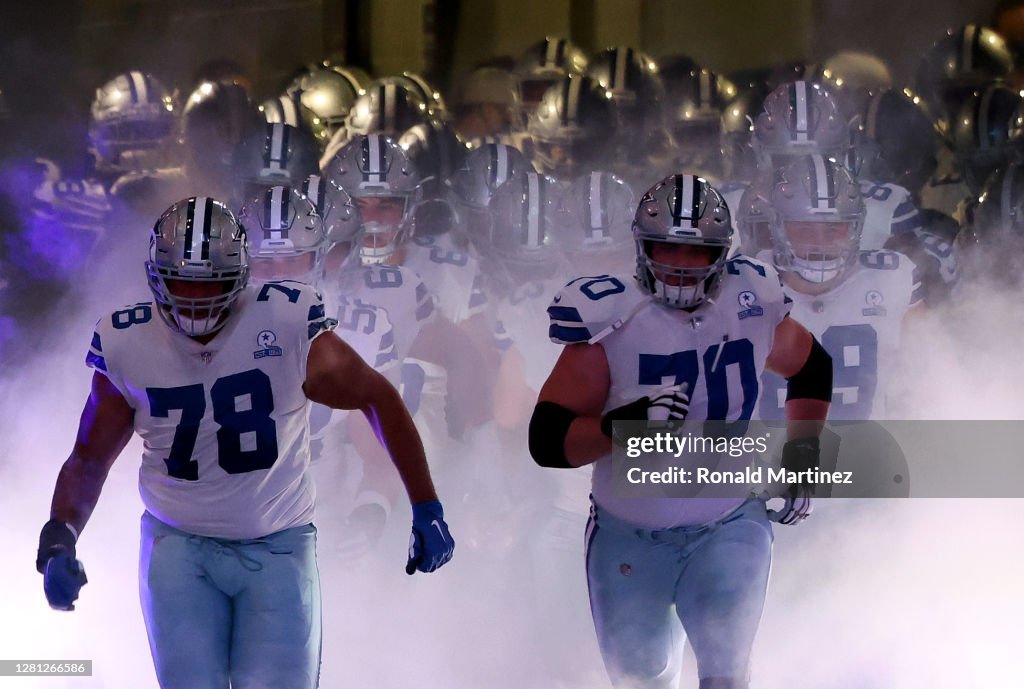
pixel 588 308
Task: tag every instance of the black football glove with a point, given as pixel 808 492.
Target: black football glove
pixel 798 455
pixel 671 403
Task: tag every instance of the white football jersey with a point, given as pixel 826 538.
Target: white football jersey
pixel 859 323
pixel 889 211
pixel 410 306
pixel 451 274
pixel 225 425
pixel 399 291
pixel 720 349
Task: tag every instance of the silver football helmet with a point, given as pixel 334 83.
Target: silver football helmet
pixel 334 206
pixel 682 209
pixel 544 63
pixel 800 118
pixel 525 213
pixel 133 121
pixel 329 93
pixel 811 194
pixel 289 109
pixel 279 154
pixel 197 240
pixel 482 172
pixel 374 166
pixel 572 128
pixel 600 208
pixel 287 240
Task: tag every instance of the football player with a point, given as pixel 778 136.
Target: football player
pixel 441 365
pixel 689 322
pixel 217 377
pixel 853 299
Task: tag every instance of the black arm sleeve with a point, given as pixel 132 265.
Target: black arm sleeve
pixel 814 380
pixel 548 427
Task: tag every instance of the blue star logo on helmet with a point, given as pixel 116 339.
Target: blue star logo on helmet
pixel 266 340
pixel 748 300
pixel 874 300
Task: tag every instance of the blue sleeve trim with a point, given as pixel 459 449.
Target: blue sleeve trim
pixel 96 361
pixel 560 333
pixel 564 313
pixel 96 342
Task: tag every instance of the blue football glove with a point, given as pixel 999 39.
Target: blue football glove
pixel 430 545
pixel 63 579
pixel 63 575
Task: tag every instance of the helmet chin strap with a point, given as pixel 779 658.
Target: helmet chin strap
pixel 378 255
pixel 197 327
pixel 818 272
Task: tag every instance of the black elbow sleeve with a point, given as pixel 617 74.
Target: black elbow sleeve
pixel 814 380
pixel 548 427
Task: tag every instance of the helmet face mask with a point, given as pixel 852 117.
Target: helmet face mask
pixel 184 264
pixel 817 220
pixel 383 229
pixel 682 210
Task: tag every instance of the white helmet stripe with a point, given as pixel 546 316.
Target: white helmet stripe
pixel 290 111
pixel 821 187
pixel 500 165
pixel 277 210
pixel 800 94
pixel 619 77
pixel 981 130
pixel 967 47
pixel 551 50
pixel 276 145
pixel 199 228
pixel 374 166
pixel 705 95
pixel 1007 191
pixel 871 126
pixel 389 106
pixel 596 201
pixel 533 201
pixel 141 93
pixel 572 101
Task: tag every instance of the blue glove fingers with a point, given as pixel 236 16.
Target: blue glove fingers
pixel 63 579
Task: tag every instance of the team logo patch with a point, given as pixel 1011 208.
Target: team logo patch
pixel 874 300
pixel 207 357
pixel 748 300
pixel 266 340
